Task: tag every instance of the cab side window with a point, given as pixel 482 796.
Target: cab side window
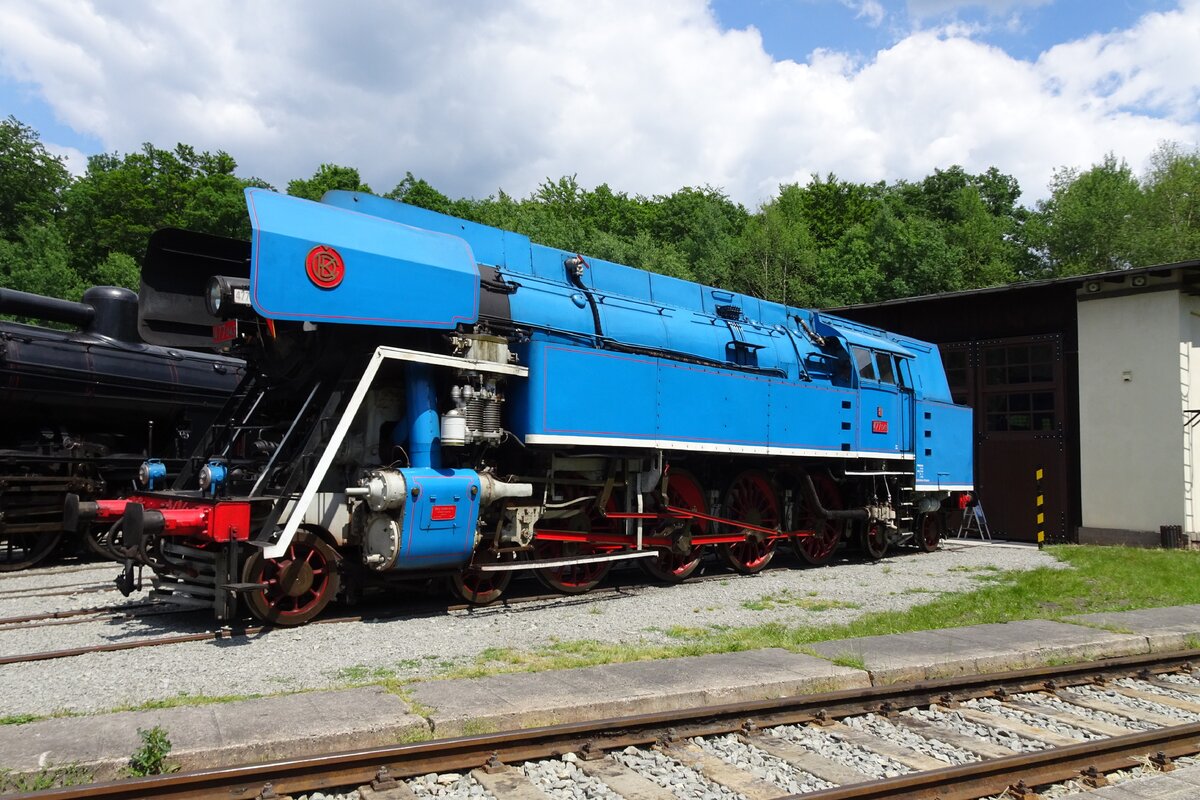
pixel 864 360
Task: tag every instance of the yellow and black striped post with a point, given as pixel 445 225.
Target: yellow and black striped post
pixel 1040 507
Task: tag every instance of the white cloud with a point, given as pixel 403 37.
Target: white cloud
pixel 647 97
pixel 73 159
pixel 1153 67
pixel 870 10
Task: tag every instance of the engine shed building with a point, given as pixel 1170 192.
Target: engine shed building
pixel 1093 379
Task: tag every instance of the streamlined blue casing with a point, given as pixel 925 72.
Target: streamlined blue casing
pixel 675 366
pixel 394 274
pixel 427 540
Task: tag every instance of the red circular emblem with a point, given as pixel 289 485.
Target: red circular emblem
pixel 324 266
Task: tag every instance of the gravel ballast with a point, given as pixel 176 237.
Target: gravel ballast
pixel 332 655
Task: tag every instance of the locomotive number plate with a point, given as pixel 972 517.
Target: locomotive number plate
pixel 879 426
pixel 226 331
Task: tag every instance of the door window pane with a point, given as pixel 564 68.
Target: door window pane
pixel 1020 411
pixel 883 363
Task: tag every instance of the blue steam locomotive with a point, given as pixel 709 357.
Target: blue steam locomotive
pixel 427 396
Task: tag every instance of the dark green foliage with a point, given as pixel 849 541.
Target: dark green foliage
pixel 1170 209
pixel 419 192
pixel 829 242
pixel 31 180
pixel 120 201
pixel 1087 223
pixel 832 242
pixel 327 178
pixel 36 259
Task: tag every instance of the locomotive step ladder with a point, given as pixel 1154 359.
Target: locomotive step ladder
pixel 306 438
pixel 974 521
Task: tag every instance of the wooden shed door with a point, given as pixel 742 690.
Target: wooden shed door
pixel 1016 389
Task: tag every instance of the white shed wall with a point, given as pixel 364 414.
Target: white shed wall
pixel 1135 357
pixel 1189 354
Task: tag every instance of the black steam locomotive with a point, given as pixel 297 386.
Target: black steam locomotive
pixel 82 408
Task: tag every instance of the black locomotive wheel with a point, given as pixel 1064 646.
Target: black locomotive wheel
pixel 677 565
pixel 874 541
pixel 751 499
pixel 929 530
pixel 819 548
pixel 24 550
pixel 298 585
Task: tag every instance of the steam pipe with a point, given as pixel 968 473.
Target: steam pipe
pixel 818 510
pixel 424 426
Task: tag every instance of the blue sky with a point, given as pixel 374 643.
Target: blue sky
pixel 23 101
pixel 792 29
pixel 648 97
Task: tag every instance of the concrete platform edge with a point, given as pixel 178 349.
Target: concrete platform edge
pixel 394 720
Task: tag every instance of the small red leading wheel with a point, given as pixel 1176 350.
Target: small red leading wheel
pixel 480 587
pixel 673 565
pixel 819 548
pixel 875 540
pixel 298 585
pixel 751 499
pixel 929 528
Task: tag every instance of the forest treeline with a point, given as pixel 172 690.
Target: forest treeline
pixel 826 243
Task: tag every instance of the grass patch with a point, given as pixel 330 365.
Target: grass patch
pixel 786 599
pixel 185 699
pixel 478 727
pixel 18 719
pixel 414 736
pixel 48 778
pixel 1097 579
pixel 852 660
pixel 360 674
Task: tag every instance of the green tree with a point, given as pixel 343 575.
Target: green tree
pixel 121 200
pixel 327 178
pixel 777 255
pixel 1088 222
pixel 703 225
pixel 1169 226
pixel 31 179
pixel 117 269
pixel 831 207
pixel 419 192
pixel 36 259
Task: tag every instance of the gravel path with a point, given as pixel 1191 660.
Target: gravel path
pixel 322 656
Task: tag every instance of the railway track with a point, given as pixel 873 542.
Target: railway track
pixel 61 590
pixel 617 757
pixel 79 616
